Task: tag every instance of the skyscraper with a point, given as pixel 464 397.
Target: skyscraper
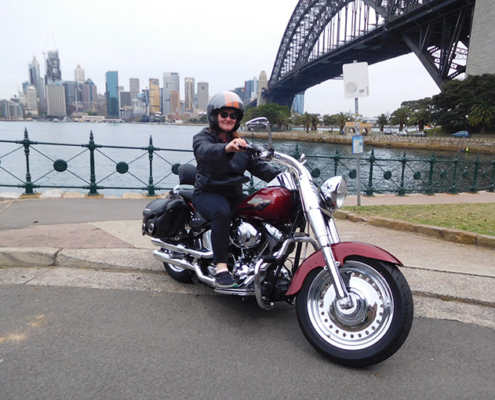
pixel 112 93
pixel 189 94
pixel 53 72
pixel 55 95
pixel 170 83
pixel 31 101
pixel 203 95
pixel 298 103
pixel 36 80
pixel 175 101
pixel 134 87
pixel 89 96
pixel 154 96
pixel 79 75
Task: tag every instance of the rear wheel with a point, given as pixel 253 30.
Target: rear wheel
pixel 373 329
pixel 179 274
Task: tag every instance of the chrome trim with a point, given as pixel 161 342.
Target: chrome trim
pixel 182 249
pixel 311 207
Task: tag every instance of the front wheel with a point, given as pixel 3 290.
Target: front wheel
pixel 376 325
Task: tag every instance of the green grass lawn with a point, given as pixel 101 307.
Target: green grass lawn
pixel 478 218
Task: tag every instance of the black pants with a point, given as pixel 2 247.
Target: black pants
pixel 219 210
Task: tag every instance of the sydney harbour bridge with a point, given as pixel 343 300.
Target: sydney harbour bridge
pixel 322 35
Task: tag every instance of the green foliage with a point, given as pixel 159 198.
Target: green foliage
pixel 482 114
pixel 382 120
pixel 400 117
pixel 452 107
pixel 275 113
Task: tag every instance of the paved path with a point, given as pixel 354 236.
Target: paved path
pixel 85 241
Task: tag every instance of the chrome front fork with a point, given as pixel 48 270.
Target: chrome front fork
pixel 326 236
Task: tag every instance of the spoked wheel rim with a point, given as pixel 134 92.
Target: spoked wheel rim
pixel 366 322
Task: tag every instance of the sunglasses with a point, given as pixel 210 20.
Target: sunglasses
pixel 225 114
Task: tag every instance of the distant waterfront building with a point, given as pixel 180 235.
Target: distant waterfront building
pixel 262 84
pixel 112 93
pixel 175 101
pixel 170 83
pixel 56 104
pixel 89 96
pixel 79 75
pixel 250 89
pixel 36 80
pixel 154 96
pixel 189 94
pixel 125 99
pixel 73 96
pixel 31 101
pixel 203 95
pixel 298 103
pixel 134 87
pixel 240 92
pixel 53 72
pixel 11 109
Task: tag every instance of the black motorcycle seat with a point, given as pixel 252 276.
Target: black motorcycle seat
pixel 186 194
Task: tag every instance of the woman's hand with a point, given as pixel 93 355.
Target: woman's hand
pixel 235 145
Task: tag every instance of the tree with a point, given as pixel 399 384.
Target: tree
pixel 482 114
pixel 381 121
pixel 400 117
pixel 275 113
pixel 451 107
pixel 342 118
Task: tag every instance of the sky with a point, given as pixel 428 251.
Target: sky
pixel 221 42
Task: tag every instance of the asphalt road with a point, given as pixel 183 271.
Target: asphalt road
pixel 81 343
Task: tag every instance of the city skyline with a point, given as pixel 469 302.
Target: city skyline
pixel 146 47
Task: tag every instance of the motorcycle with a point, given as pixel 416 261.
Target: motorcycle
pixel 353 304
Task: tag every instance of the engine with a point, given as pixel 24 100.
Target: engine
pixel 251 242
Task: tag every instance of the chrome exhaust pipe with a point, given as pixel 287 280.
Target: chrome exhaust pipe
pixel 182 249
pixel 161 256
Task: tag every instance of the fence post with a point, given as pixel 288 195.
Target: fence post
pixel 402 190
pixel 336 162
pixel 453 189
pixel 474 187
pixel 93 189
pixel 371 160
pixel 430 175
pixel 492 185
pixel 151 186
pixel 29 185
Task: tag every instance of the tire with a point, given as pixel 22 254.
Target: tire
pixel 370 332
pixel 179 274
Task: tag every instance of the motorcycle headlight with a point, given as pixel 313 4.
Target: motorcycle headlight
pixel 334 192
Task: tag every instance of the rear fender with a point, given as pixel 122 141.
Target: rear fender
pixel 341 251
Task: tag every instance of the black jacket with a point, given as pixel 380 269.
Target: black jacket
pixel 221 172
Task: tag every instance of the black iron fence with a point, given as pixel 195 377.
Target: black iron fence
pixel 151 169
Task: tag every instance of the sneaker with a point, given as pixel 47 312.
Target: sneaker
pixel 225 280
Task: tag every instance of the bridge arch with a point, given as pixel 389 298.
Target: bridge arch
pixel 322 35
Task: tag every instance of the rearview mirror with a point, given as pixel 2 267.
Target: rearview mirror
pixel 260 124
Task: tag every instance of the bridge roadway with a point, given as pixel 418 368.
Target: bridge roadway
pixel 87 313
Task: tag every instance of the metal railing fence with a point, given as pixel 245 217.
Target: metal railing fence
pixel 151 169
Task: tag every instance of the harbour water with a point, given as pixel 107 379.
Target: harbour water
pixel 175 142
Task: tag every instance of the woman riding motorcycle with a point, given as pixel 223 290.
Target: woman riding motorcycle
pixel 221 164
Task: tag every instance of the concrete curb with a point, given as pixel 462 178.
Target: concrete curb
pixel 445 286
pixel 447 234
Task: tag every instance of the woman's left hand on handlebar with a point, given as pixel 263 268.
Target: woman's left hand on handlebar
pixel 235 145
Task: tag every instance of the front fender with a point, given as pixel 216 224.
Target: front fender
pixel 341 251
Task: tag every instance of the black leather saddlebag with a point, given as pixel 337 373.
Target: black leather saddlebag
pixel 165 218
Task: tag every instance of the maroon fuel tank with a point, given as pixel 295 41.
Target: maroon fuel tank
pixel 272 205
